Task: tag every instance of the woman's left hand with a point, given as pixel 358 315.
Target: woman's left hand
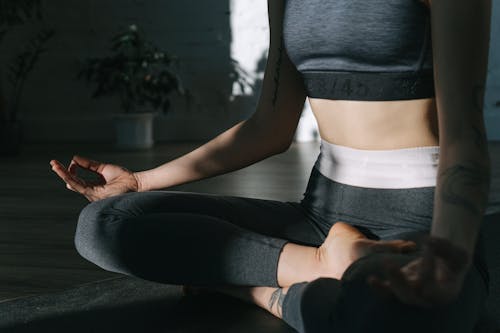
pixel 434 278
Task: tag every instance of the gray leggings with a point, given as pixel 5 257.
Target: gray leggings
pixel 211 240
pixel 191 238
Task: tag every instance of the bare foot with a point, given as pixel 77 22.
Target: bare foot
pixel 346 244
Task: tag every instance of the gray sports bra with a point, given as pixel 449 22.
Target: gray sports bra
pixel 361 49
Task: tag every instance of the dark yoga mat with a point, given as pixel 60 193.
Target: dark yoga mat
pixel 127 304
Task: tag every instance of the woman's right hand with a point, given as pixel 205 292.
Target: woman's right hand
pixel 112 179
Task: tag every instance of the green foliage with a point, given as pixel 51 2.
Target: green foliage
pixel 17 12
pixel 137 71
pixel 14 13
pixel 241 77
pixel 23 64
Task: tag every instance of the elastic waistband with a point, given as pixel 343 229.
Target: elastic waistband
pixel 397 168
pixel 369 86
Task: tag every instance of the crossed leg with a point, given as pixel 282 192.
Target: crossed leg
pixel 204 240
pixel 193 238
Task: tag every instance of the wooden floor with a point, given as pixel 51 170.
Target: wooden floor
pixel 38 214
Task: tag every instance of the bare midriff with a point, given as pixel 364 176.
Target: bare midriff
pixel 377 125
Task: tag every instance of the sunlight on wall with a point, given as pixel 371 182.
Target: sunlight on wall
pixel 250 42
pixel 250 37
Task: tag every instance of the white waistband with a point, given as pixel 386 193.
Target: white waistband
pixel 397 168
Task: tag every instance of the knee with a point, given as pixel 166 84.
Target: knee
pixel 94 229
pixel 87 228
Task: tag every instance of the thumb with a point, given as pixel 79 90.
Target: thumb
pixel 72 167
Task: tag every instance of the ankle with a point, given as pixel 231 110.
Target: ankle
pixel 298 263
pixel 324 267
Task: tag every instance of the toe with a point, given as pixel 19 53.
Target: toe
pixel 345 229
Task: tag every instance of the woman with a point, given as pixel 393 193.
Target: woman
pixel 388 229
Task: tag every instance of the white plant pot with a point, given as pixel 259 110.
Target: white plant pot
pixel 134 131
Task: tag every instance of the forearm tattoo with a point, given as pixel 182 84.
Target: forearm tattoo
pixel 478 97
pixel 479 135
pixel 278 70
pixel 480 139
pixel 277 298
pixel 466 186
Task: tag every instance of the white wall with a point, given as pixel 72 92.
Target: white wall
pixel 250 31
pixel 57 107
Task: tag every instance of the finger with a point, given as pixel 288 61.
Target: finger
pixel 401 287
pixel 68 186
pixel 57 167
pixel 97 178
pixel 87 163
pixel 72 168
pixel 55 162
pixel 398 286
pixel 426 277
pixel 61 171
pixel 408 246
pixel 455 257
pixel 426 274
pixel 412 270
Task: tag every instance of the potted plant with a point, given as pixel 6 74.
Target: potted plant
pixel 142 76
pixel 15 13
pixel 12 14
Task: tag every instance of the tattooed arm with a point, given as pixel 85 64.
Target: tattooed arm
pixel 460 41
